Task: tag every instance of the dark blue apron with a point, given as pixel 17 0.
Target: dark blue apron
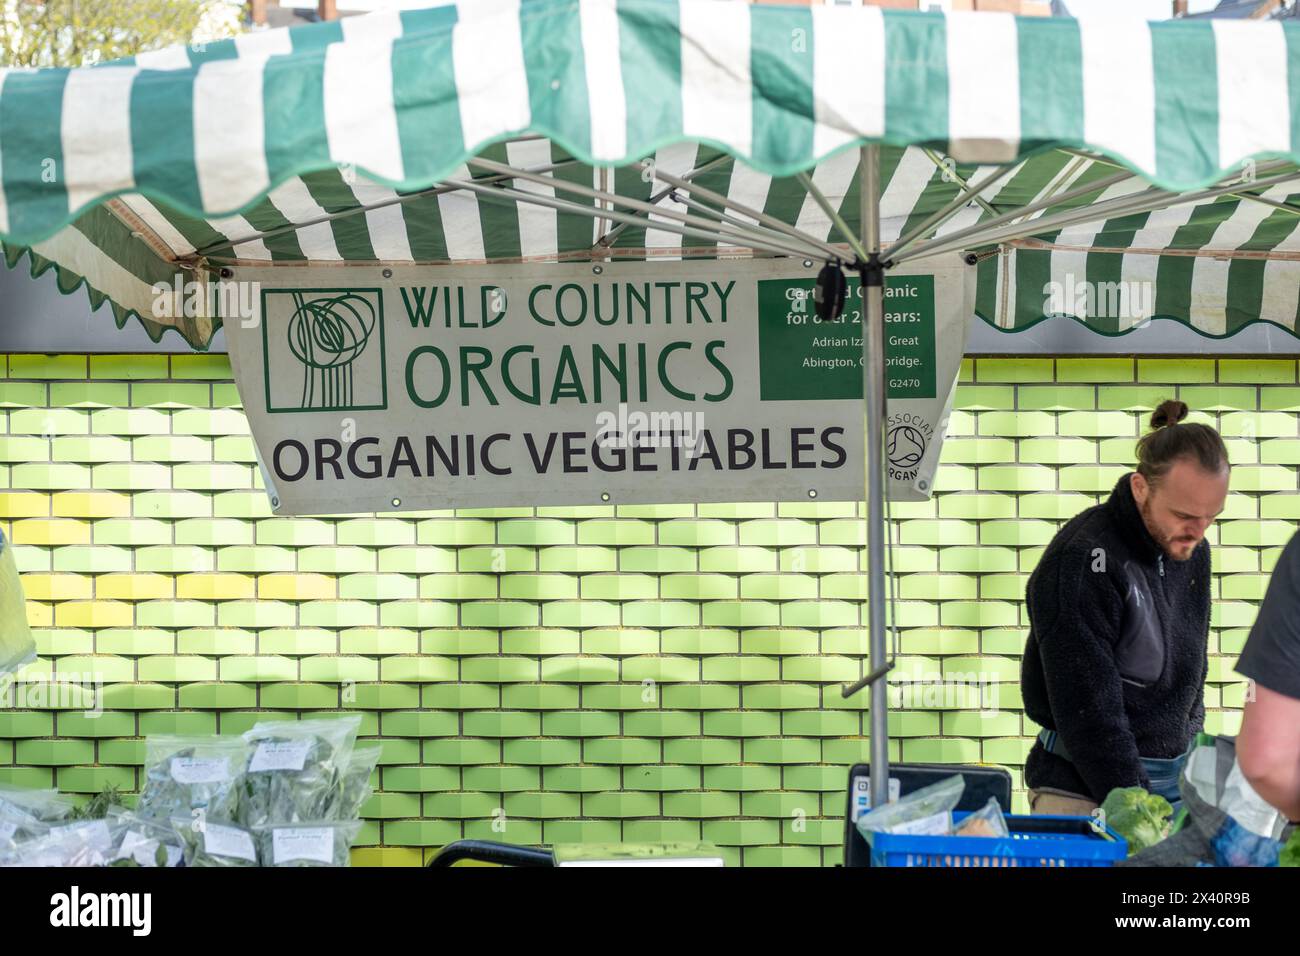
pixel 1163 773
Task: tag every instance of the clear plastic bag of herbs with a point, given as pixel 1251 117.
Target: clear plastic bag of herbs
pixel 27 814
pixel 48 806
pixel 215 843
pixel 356 789
pixel 295 769
pixel 84 843
pixel 188 774
pixel 308 843
pixel 143 841
pixel 17 827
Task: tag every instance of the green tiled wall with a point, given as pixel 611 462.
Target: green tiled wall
pixel 577 674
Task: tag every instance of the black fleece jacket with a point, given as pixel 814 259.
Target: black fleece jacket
pixel 1116 656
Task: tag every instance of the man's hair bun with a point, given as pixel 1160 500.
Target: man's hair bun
pixel 1169 412
pixel 1169 441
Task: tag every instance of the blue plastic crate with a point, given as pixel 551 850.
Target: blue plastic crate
pixel 1034 841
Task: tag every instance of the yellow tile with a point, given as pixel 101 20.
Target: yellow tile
pixel 296 587
pixel 133 587
pixel 93 614
pixel 51 531
pixel 91 504
pixel 214 587
pixel 42 586
pixel 40 615
pixel 387 856
pixel 23 504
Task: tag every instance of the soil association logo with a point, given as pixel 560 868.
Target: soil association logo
pixel 323 350
pixel 906 438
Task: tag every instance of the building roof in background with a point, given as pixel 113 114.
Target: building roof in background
pixel 294 13
pixel 1249 10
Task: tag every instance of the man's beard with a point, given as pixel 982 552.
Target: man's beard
pixel 1163 540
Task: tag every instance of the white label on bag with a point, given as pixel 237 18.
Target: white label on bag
pixel 280 755
pixel 303 843
pixel 192 770
pixel 228 841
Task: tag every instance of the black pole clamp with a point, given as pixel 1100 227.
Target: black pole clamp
pixel 872 271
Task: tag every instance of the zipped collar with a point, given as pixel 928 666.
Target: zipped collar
pixel 1123 509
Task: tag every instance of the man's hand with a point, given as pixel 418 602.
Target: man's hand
pixel 1268 749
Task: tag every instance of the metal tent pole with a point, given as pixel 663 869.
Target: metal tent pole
pixel 873 354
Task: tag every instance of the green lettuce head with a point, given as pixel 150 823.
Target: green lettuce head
pixel 1139 817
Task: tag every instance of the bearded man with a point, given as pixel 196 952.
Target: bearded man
pixel 1119 609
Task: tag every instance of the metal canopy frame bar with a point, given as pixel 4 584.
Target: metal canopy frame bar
pixel 770 235
pixel 1148 200
pixel 962 200
pixel 727 230
pixel 938 161
pixel 607 239
pixel 762 218
pixel 685 225
pixel 437 190
pixel 1276 204
pixel 751 234
pixel 721 217
pixel 834 215
pixel 976 234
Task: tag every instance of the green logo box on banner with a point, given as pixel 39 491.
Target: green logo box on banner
pixel 802 358
pixel 323 350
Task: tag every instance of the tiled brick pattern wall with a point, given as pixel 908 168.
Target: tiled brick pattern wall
pixel 578 674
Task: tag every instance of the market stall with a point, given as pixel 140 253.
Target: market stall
pixel 375 210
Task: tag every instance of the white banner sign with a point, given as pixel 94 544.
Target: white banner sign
pixel 411 388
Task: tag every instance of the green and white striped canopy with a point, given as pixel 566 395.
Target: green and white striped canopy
pixel 353 142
